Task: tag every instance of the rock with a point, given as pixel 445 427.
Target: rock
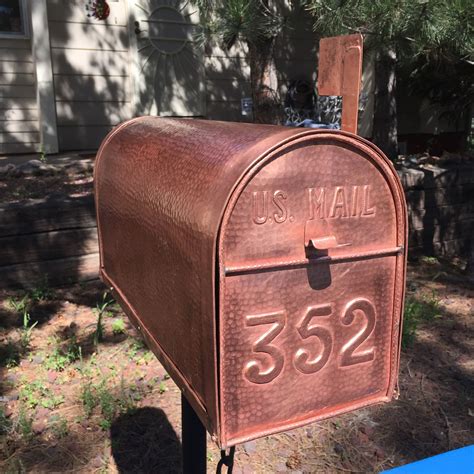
pixel 243 470
pixel 8 398
pixel 36 168
pixel 7 170
pixel 97 462
pixel 42 414
pixel 281 467
pixel 37 359
pixel 52 376
pixel 380 453
pixel 250 447
pixel 39 426
pixel 338 448
pixel 78 166
pixel 12 377
pixel 367 429
pixel 7 410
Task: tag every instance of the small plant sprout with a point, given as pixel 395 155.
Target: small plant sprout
pixel 417 310
pixel 118 326
pixel 100 310
pixel 61 357
pixel 162 388
pixel 59 427
pixel 27 329
pixel 21 306
pixel 43 155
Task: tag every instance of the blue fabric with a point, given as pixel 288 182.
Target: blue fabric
pixel 459 461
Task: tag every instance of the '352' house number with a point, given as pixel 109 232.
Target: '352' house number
pixel 312 324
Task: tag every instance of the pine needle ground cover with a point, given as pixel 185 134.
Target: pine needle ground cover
pixel 80 392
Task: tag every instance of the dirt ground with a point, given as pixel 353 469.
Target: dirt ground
pixel 26 177
pixel 81 396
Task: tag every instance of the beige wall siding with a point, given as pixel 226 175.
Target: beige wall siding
pixel 91 70
pixel 18 110
pixel 227 81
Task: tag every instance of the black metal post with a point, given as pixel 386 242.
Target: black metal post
pixel 193 440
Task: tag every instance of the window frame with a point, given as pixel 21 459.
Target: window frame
pixel 25 34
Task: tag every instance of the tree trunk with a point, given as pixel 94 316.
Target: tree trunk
pixel 385 103
pixel 264 83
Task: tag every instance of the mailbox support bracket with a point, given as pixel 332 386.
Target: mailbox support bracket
pixel 193 439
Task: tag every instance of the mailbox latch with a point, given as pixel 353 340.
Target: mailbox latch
pixel 318 234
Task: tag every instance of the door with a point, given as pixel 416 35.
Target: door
pixel 168 63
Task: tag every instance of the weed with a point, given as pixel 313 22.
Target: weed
pixel 118 326
pixel 145 358
pixel 24 423
pixel 37 393
pixel 136 346
pixel 61 357
pixel 416 311
pixel 162 388
pixel 59 427
pixel 105 424
pixel 107 402
pixel 26 330
pixel 100 310
pixel 100 397
pixel 42 291
pixel 18 305
pixel 43 156
pixel 5 423
pixel 22 306
pixel 52 401
pixel 429 260
pixel 9 355
pixel 88 399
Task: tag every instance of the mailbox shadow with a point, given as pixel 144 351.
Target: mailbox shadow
pixel 144 441
pixel 319 273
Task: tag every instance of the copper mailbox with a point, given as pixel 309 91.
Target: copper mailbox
pixel 264 265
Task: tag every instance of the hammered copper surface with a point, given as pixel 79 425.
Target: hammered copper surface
pixel 339 73
pixel 312 362
pixel 264 265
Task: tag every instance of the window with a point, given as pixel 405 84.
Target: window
pixel 13 22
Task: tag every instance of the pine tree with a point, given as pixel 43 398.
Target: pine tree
pixel 427 36
pixel 257 24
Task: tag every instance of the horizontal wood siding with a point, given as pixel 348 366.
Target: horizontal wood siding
pixel 227 81
pixel 48 238
pixel 91 71
pixel 19 124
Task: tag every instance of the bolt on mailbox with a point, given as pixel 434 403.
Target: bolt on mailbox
pixel 264 266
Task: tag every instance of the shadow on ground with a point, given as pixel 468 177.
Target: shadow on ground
pixel 144 441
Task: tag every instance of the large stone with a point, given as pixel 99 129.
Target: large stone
pixel 7 170
pixel 37 168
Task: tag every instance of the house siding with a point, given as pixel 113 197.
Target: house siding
pixel 19 127
pixel 91 72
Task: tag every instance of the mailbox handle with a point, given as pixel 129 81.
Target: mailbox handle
pixel 318 234
pixel 323 243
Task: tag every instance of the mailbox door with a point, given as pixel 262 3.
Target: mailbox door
pixel 311 286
